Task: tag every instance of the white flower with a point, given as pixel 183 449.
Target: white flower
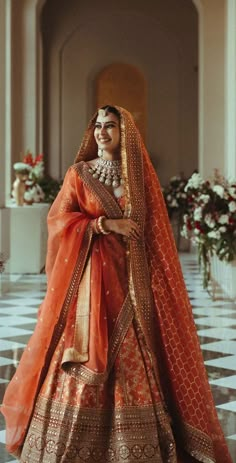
pixel 209 221
pixel 204 198
pixel 34 193
pixel 224 218
pixel 222 229
pixel 232 206
pixel 196 231
pixel 185 217
pixel 174 203
pixel 214 234
pixel 219 190
pixel 184 232
pixel 174 178
pixel 22 166
pixel 194 182
pixel 197 215
pixel 232 192
pixel 38 170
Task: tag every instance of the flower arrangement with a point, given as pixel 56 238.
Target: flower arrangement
pixel 38 187
pixel 175 195
pixel 210 220
pixel 26 189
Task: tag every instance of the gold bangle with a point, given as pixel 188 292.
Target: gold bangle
pixel 95 226
pixel 100 225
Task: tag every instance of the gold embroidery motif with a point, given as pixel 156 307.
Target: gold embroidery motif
pixel 125 435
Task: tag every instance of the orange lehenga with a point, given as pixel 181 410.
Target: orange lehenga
pixel 113 371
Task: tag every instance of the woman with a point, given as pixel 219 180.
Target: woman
pixel 114 370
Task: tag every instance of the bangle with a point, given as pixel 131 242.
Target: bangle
pixel 95 226
pixel 100 225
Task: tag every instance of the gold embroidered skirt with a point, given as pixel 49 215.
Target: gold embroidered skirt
pixel 121 420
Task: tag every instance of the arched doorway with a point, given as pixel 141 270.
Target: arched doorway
pixel 124 85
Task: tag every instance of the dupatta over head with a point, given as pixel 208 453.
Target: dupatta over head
pixel 158 296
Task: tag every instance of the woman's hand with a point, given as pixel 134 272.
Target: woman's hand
pixel 125 227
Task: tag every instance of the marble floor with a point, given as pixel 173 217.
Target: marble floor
pixel 215 322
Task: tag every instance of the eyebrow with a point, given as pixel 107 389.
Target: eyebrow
pixel 106 123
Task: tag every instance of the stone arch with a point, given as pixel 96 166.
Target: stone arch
pixel 124 85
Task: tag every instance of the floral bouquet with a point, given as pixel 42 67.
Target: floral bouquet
pixel 33 191
pixel 210 220
pixel 39 187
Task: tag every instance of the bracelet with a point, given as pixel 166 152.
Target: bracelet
pixel 95 226
pixel 100 225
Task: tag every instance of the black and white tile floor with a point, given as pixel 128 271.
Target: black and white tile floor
pixel 215 321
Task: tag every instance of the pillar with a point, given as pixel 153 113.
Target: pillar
pixel 230 90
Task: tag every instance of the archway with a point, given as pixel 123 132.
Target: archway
pixel 124 85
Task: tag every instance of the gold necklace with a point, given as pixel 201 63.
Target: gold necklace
pixel 107 172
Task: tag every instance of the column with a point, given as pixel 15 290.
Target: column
pixel 212 95
pixel 26 72
pixel 230 90
pixel 4 212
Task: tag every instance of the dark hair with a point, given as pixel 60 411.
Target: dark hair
pixel 111 109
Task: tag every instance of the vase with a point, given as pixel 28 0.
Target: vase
pixel 182 244
pixel 18 190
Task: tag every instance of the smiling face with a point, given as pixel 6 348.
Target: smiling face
pixel 107 132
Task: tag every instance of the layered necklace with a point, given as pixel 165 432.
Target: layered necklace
pixel 107 172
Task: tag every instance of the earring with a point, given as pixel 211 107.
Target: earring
pixel 100 153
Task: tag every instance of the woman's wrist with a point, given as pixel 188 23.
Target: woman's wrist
pixel 107 224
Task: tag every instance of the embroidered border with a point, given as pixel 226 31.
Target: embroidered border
pixel 105 198
pixel 73 289
pixel 127 434
pixel 121 327
pixel 198 444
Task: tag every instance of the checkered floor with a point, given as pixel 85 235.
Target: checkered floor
pixel 215 321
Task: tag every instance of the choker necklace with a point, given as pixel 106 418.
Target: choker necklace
pixel 107 172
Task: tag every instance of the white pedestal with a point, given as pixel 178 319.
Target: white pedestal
pixel 223 274
pixel 28 238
